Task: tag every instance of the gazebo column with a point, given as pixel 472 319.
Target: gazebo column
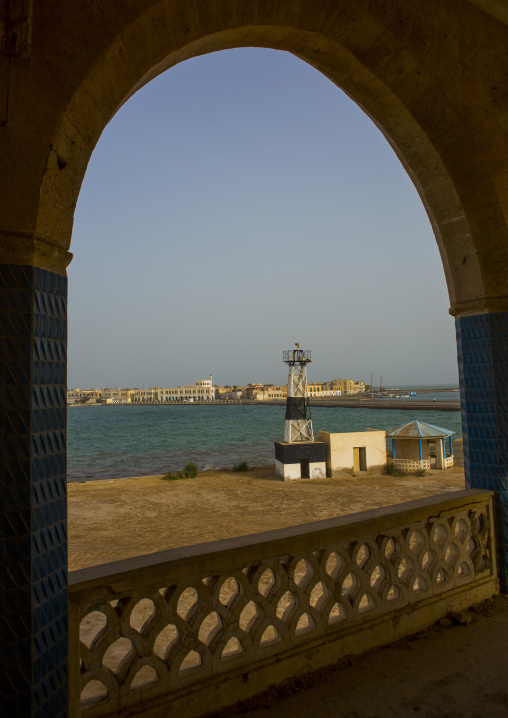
pixel 33 539
pixel 482 347
pixel 451 446
pixel 420 449
pixel 440 462
pixel 393 449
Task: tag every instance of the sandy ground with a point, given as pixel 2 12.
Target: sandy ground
pixel 110 520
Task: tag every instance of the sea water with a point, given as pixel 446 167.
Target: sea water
pixel 116 441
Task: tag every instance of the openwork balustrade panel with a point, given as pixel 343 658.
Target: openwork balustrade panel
pixel 156 637
pixel 412 464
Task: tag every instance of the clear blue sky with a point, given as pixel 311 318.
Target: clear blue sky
pixel 240 203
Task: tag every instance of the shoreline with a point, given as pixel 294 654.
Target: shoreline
pixel 264 469
pixel 205 472
pixel 347 403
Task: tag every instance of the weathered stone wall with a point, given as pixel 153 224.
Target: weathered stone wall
pixel 409 449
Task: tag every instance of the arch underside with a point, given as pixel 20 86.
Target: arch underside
pixel 390 60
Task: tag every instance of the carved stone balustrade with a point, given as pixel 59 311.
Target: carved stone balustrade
pixel 190 630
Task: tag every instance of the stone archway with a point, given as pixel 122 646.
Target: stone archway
pixel 393 61
pixel 371 54
pixel 432 76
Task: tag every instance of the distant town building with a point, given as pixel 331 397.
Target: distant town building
pixel 83 396
pixel 201 391
pixel 231 395
pixel 117 395
pixel 145 396
pixel 318 390
pixel 254 391
pixel 276 392
pixel 260 392
pixel 348 386
pixel 204 391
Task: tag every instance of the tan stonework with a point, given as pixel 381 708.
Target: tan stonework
pixel 433 76
pixel 28 249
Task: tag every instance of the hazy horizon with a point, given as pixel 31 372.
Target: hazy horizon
pixel 375 385
pixel 240 203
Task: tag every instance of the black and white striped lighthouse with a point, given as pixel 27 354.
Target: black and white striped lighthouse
pixel 299 456
pixel 298 422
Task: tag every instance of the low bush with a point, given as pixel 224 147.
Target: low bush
pixel 421 472
pixel 169 476
pixel 242 466
pixel 393 470
pixel 190 471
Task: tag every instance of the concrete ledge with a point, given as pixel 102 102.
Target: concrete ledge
pixel 116 577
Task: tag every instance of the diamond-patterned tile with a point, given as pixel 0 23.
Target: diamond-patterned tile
pixel 33 333
pixel 482 347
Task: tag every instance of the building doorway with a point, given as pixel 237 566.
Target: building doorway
pixel 359 458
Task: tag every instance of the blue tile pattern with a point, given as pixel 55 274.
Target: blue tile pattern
pixel 482 347
pixel 33 508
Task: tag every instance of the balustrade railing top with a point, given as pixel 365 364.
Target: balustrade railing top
pixel 146 628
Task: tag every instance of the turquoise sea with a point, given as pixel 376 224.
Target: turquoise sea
pixel 118 441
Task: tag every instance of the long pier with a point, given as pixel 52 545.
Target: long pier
pixel 411 405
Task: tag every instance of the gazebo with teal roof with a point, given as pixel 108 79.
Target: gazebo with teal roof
pixel 410 446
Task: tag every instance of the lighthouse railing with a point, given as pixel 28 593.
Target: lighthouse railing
pixel 297 356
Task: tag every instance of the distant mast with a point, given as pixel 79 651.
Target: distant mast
pixel 298 426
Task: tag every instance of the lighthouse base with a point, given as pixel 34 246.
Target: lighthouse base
pixel 300 460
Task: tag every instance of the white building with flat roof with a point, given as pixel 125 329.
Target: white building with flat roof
pixel 201 391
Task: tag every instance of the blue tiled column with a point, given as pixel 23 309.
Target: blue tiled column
pixel 482 346
pixel 33 508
